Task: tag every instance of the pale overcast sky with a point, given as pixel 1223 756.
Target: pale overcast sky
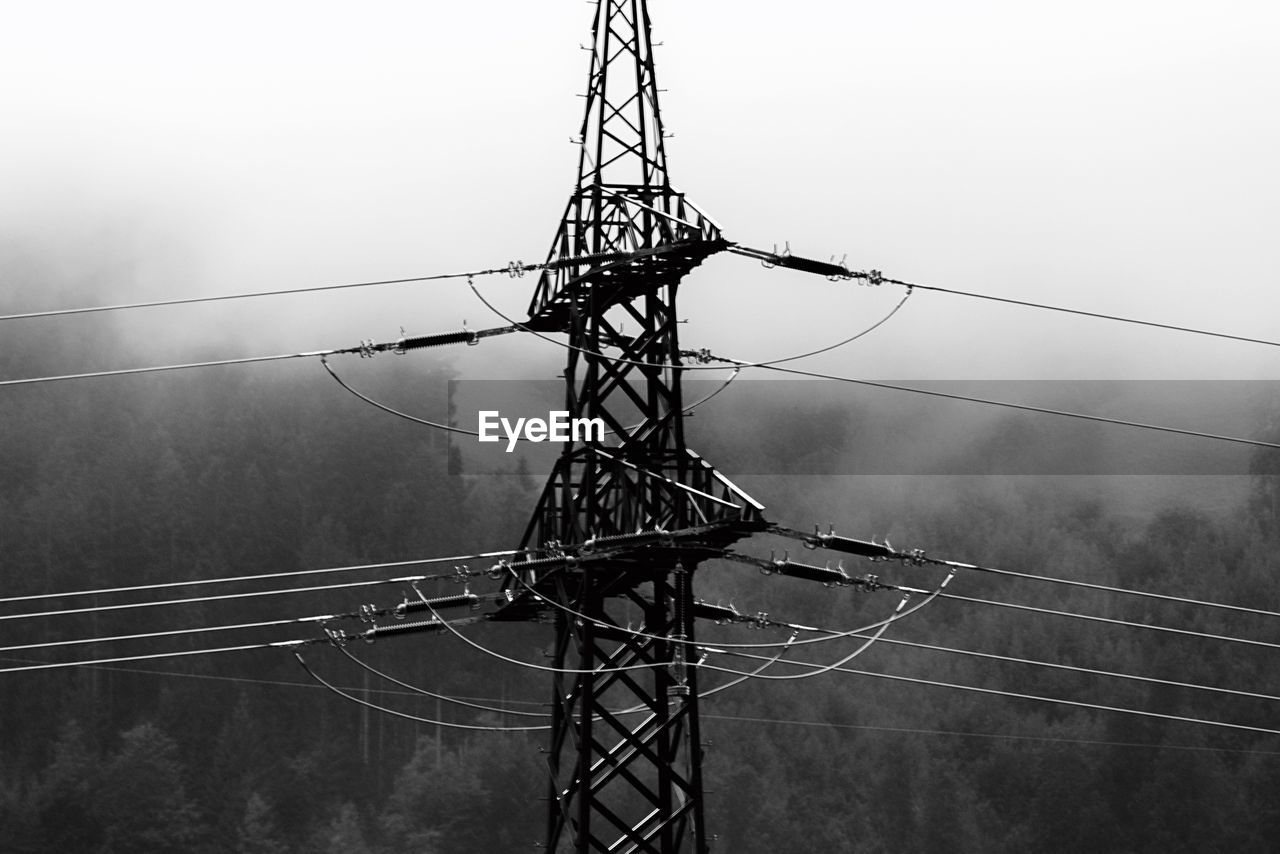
pixel 1114 156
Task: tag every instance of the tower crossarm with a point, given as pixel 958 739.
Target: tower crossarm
pixel 669 235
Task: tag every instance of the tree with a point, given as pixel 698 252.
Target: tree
pixel 63 803
pixel 343 834
pixel 1264 466
pixel 146 807
pixel 258 833
pixel 433 797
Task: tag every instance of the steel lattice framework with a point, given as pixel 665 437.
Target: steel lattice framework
pixel 625 756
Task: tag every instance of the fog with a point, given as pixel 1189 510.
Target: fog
pixel 1117 158
pixel 1111 157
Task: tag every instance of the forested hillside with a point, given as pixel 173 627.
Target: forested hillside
pixel 229 472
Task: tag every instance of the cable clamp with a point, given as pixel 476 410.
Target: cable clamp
pixel 461 574
pixel 367 348
pixel 915 557
pixel 515 269
pixel 873 278
pixel 337 637
pixel 844 581
pixel 368 613
pixel 841 264
pixel 769 265
pixel 771 567
pixel 819 539
pixel 759 620
pixel 473 338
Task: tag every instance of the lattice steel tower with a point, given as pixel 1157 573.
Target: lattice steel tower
pixel 625 781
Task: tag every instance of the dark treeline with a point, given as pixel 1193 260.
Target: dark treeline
pixel 155 479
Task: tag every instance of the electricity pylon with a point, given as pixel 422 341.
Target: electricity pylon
pixel 625 756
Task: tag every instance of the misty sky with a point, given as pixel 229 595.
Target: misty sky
pixel 1116 156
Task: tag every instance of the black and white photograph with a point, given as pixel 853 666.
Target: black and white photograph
pixel 639 426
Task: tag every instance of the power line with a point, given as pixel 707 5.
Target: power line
pixel 530 665
pixel 406 715
pixel 834 665
pixel 514 268
pixel 1069 667
pixel 280 683
pixel 884 551
pixel 174 632
pixel 58 665
pixel 415 419
pixel 833 270
pixel 1111 621
pixel 365 349
pixel 1008 405
pixel 697 355
pixel 1076 311
pixel 423 692
pixel 152 369
pixel 897 642
pixel 227 596
pixel 262 577
pixel 366 613
pixel 763 620
pixel 776 365
pixel 782 567
pixel 1013 694
pixel 415 690
pixel 1103 587
pixel 989 735
pixel 452 429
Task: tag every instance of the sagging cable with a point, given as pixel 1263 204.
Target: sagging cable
pixel 406 715
pixel 759 620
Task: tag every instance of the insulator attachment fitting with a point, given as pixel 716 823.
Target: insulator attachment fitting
pixel 337 637
pixel 721 614
pixel 402 629
pixel 466 336
pixel 829 540
pixel 915 557
pixel 639 538
pixel 460 600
